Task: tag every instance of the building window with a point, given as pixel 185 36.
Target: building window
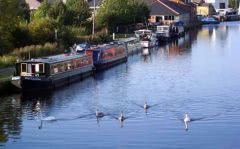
pixel 159 18
pixel 222 6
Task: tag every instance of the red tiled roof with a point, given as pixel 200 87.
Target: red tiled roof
pixel 167 7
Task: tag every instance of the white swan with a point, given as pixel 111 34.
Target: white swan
pixel 146 106
pixel 49 118
pixel 186 120
pixel 121 118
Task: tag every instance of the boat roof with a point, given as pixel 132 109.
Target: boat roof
pixel 143 30
pixel 163 26
pixel 105 46
pixel 55 58
pixel 126 40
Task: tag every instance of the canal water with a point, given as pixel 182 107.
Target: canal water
pixel 198 74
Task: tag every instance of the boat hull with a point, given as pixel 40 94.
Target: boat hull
pixel 32 83
pixel 108 64
pixel 148 44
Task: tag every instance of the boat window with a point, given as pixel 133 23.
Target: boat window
pixel 36 67
pixel 69 66
pixel 62 67
pixel 41 68
pixel 55 69
pixel 29 68
pixel 24 67
pixel 33 68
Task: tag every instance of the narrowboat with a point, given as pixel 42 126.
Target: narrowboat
pixel 108 55
pixel 52 72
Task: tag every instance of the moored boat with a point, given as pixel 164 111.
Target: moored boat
pixel 53 71
pixel 108 55
pixel 169 32
pixel 210 20
pixel 147 38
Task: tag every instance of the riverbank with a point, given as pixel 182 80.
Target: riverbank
pixel 133 46
pixel 5 81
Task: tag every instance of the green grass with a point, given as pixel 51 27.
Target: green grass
pixel 4 78
pixel 34 51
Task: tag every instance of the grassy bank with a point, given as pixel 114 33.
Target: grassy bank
pixel 31 51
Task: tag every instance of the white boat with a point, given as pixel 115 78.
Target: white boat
pixel 239 9
pixel 147 38
pixel 167 32
pixel 164 31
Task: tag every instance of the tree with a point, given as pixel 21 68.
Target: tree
pixel 8 22
pixel 57 11
pixel 78 12
pixel 115 13
pixel 24 11
pixel 42 11
pixel 234 4
pixel 42 30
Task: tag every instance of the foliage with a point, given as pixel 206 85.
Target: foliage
pixel 7 60
pixel 77 12
pixel 34 50
pixel 234 3
pixel 24 11
pixel 115 13
pixel 21 36
pixel 57 11
pixel 42 11
pixel 9 10
pixel 42 30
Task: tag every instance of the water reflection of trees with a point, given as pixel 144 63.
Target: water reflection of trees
pixel 10 119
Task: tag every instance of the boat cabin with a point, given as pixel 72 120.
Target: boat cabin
pixel 52 65
pixel 106 52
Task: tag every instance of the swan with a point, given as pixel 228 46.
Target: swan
pixel 121 118
pixel 49 118
pixel 186 120
pixel 146 106
pixel 99 114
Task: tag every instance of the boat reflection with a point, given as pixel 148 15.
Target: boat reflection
pixel 10 119
pixel 146 52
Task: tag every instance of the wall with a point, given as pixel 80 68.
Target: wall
pixel 216 3
pixel 203 10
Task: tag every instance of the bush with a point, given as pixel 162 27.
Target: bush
pixel 34 51
pixel 6 61
pixel 42 30
pixel 22 36
pixel 37 50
